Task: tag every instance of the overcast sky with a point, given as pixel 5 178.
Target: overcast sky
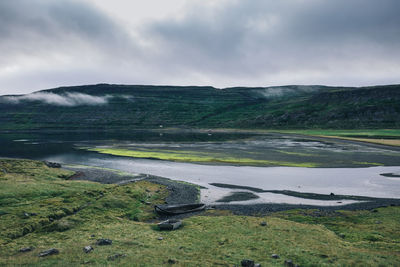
pixel 223 43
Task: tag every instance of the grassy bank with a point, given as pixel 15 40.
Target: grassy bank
pixel 69 215
pixel 389 137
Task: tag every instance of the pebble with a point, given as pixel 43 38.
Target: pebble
pixel 263 223
pixel 160 238
pixel 275 256
pixel 87 249
pixel 104 242
pixel 171 261
pixel 49 252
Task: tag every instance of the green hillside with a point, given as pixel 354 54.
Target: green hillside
pixel 132 106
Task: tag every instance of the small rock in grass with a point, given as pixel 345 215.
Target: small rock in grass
pixel 342 235
pixel 275 256
pixel 247 263
pixel 257 265
pixel 93 236
pixel 374 210
pixel 115 256
pixel 160 238
pixel 87 249
pixel 288 263
pixel 171 261
pixel 263 223
pixel 52 251
pixel 27 249
pixel 104 242
pixel 378 222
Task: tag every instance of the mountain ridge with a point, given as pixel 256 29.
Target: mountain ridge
pixel 124 107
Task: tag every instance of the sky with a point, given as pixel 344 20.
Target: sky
pixel 221 43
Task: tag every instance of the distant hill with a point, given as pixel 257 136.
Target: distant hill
pixel 125 107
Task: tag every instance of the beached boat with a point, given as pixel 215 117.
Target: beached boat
pixel 178 209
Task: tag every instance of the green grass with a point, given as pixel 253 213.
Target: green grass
pixel 365 133
pixel 188 156
pixel 360 238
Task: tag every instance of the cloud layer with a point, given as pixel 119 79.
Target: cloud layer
pixel 49 43
pixel 67 100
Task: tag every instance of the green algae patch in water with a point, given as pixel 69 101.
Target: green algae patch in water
pixel 198 157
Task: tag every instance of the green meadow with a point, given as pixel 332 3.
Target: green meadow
pixel 41 208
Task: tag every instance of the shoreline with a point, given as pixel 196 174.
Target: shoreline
pixel 185 193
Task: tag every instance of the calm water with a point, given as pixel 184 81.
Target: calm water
pixel 348 181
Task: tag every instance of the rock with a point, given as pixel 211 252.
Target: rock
pixel 257 265
pixel 288 263
pixel 263 223
pixel 115 256
pixel 171 261
pixel 332 194
pixel 170 224
pixel 52 164
pixel 247 263
pixel 87 249
pixel 275 256
pixel 104 242
pixel 29 214
pixel 93 236
pixel 52 251
pixel 160 238
pixel 374 210
pixel 27 249
pixel 342 235
pixel 147 203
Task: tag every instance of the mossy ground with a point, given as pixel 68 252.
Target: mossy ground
pixel 309 238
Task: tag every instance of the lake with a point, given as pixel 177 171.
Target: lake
pixel 344 168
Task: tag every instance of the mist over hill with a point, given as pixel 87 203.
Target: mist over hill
pixel 125 107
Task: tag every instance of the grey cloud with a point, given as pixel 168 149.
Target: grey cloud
pixel 251 38
pixel 41 27
pixel 68 99
pixel 49 43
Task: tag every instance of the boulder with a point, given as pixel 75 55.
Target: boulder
pixel 52 251
pixel 170 224
pixel 247 263
pixel 104 242
pixel 27 249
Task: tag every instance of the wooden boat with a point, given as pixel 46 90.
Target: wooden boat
pixel 178 209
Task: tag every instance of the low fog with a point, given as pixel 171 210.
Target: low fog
pixel 67 99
